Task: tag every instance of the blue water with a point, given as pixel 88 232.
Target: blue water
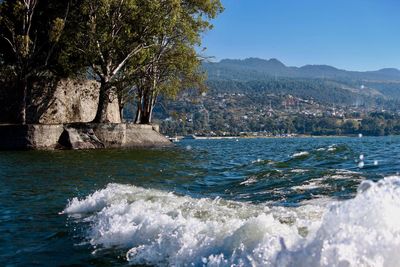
pixel 286 175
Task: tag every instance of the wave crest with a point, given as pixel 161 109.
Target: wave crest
pixel 163 229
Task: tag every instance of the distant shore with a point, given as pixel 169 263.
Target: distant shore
pixel 178 138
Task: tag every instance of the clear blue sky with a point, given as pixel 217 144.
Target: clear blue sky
pixel 348 34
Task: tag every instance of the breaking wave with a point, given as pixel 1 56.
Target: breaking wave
pixel 164 229
pixel 300 154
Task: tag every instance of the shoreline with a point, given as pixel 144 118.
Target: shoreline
pixel 80 136
pixel 180 138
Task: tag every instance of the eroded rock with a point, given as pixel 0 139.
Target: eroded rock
pixel 74 101
pixel 80 136
pixel 76 138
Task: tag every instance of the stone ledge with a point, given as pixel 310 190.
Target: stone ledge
pixel 80 136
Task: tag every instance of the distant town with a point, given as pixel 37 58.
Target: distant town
pixel 244 98
pixel 233 114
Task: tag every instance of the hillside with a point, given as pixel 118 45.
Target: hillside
pixel 255 68
pixel 381 83
pixel 255 95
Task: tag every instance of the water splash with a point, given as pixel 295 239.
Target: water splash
pixel 163 229
pixel 361 164
pixel 300 154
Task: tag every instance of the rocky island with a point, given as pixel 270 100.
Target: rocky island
pixel 66 122
pixel 69 68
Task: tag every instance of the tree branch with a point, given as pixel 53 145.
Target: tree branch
pixel 131 54
pixel 54 44
pixel 11 44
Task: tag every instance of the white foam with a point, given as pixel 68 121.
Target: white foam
pixel 300 154
pixel 339 177
pixel 332 148
pixel 250 180
pixel 299 171
pixel 163 229
pixel 363 231
pixel 257 161
pixel 361 164
pixel 344 171
pixel 312 184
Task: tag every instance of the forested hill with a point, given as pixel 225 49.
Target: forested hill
pixel 384 83
pixel 255 95
pixel 255 69
pixel 322 91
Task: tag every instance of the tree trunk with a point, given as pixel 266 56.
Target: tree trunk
pixel 138 115
pixel 139 109
pixel 121 105
pixel 23 92
pixel 147 111
pixel 144 118
pixel 121 112
pixel 104 100
pixel 150 115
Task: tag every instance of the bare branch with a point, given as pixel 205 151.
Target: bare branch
pixel 54 44
pixel 131 54
pixel 96 70
pixel 11 44
pixel 100 52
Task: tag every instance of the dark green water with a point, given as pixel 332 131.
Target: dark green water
pixel 35 187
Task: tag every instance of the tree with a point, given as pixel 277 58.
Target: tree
pixel 30 33
pixel 152 39
pixel 175 70
pixel 111 33
pixel 171 62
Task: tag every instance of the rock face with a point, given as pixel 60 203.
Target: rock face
pixel 143 135
pixel 56 102
pixel 59 115
pixel 33 136
pixel 80 136
pixel 76 101
pixel 73 138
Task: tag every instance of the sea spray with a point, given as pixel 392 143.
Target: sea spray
pixel 163 229
pixel 363 231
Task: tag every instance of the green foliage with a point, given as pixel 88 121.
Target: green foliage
pixel 30 34
pixel 233 107
pixel 144 43
pixel 147 44
pixel 294 124
pixel 170 63
pixel 321 90
pixel 56 30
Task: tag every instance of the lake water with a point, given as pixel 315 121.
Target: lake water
pixel 246 202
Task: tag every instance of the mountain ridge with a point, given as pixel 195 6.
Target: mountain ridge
pixel 257 68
